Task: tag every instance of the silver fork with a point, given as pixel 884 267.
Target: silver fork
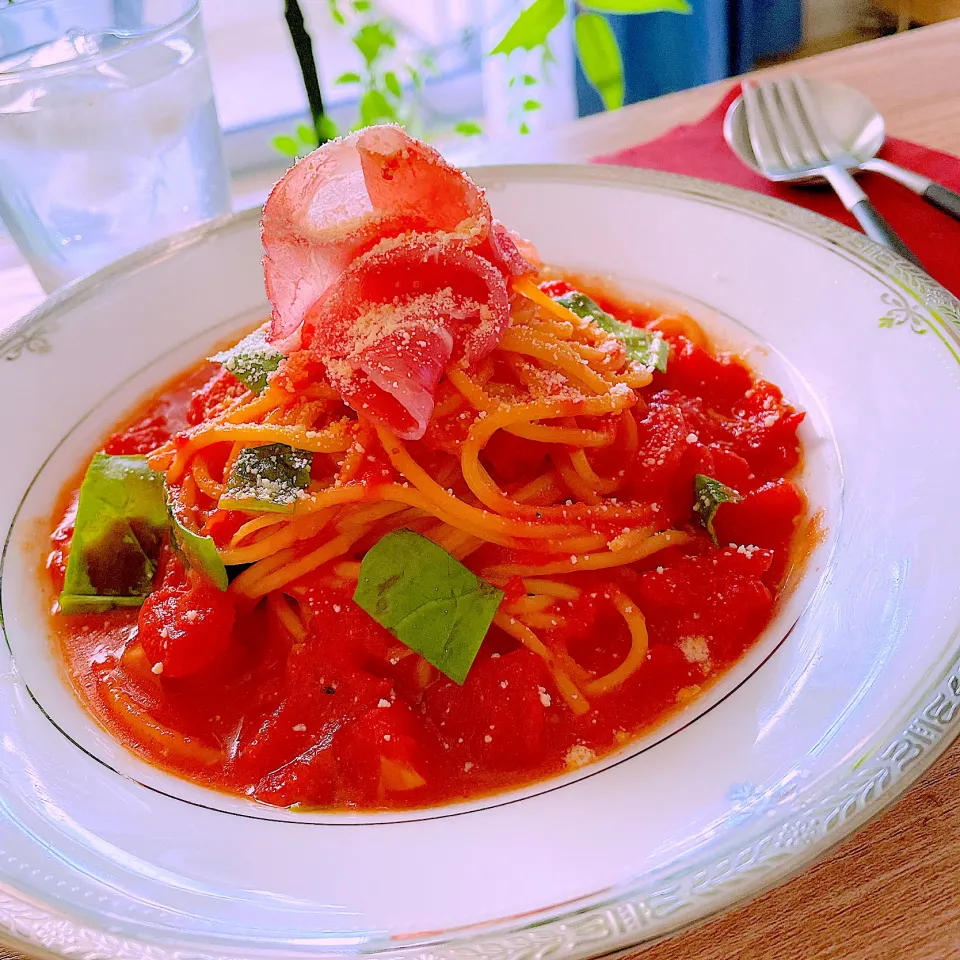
pixel 791 141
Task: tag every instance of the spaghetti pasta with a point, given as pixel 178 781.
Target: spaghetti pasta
pixel 573 483
pixel 529 475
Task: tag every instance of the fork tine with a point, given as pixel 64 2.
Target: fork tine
pixel 764 145
pixel 822 131
pixel 797 121
pixel 785 139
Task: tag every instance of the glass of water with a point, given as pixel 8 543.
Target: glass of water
pixel 108 131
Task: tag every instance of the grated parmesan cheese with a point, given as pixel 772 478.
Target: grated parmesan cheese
pixel 579 755
pixel 695 650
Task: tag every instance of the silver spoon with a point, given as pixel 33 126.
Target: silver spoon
pixel 858 126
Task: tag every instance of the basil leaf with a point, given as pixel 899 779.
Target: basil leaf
pixel 428 600
pixel 710 494
pixel 251 361
pixel 197 552
pixel 647 348
pixel 121 521
pixel 73 603
pixel 270 478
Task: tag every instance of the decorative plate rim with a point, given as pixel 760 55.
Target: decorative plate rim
pixel 637 911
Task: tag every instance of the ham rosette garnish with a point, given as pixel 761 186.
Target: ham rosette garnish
pixel 383 262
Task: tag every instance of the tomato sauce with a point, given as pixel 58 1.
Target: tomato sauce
pixel 335 714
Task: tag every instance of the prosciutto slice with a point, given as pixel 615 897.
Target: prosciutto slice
pixel 387 329
pixel 349 195
pixel 383 262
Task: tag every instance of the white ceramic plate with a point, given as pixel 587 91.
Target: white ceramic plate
pixel 851 693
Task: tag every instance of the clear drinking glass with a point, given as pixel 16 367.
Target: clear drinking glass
pixel 108 131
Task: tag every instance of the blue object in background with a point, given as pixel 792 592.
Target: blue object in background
pixel 763 28
pixel 665 52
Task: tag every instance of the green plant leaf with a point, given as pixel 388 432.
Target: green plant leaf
pixel 524 128
pixel 72 603
pixel 428 600
pixel 286 145
pixel 710 495
pixel 251 361
pixel 335 13
pixel 362 6
pixel 532 26
pixel 637 6
pixel 530 105
pixel 371 39
pixel 269 478
pixel 415 77
pixel 348 77
pixel 600 57
pixel 529 80
pixel 375 107
pixel 468 128
pixel 328 129
pixel 648 349
pixel 307 135
pixel 120 527
pixel 392 83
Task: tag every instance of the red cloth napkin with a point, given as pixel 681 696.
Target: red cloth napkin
pixel 699 150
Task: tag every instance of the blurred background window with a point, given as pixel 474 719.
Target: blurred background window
pixel 460 89
pixel 432 67
pixel 257 79
pixel 452 71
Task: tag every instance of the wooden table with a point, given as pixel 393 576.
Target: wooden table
pixel 921 11
pixel 892 891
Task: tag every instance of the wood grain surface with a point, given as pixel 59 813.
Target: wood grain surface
pixel 891 892
pixel 921 11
